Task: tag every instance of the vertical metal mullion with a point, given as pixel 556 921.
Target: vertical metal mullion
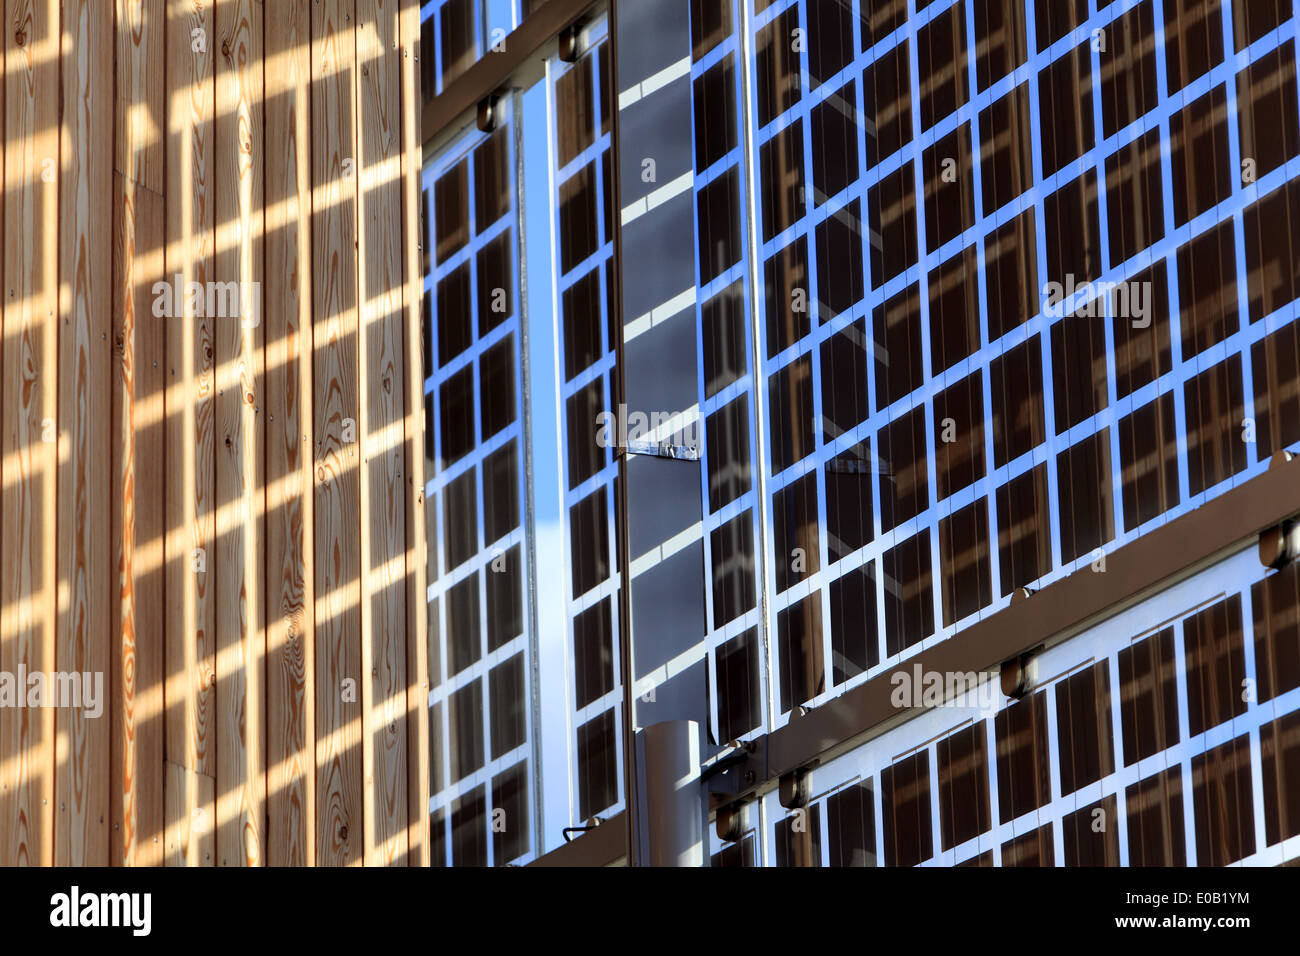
pixel 749 146
pixel 619 391
pixel 528 548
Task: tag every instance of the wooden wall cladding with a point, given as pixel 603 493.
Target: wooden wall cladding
pixel 212 500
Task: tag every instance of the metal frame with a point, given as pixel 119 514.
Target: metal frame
pixel 1174 552
pixel 438 481
pixel 1045 453
pixel 521 64
pixel 1161 551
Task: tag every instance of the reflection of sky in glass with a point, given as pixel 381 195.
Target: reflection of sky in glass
pixel 544 440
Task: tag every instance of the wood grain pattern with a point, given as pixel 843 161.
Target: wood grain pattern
pixel 84 541
pixel 190 630
pixel 139 454
pixel 221 519
pixel 417 654
pixel 28 400
pixel 383 532
pixel 191 817
pixel 241 639
pixel 291 779
pixel 138 119
pixel 339 784
pixel 139 450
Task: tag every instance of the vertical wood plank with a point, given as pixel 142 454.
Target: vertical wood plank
pixel 417 665
pixel 339 785
pixel 191 814
pixel 138 454
pixel 28 401
pixel 138 117
pixel 84 539
pixel 241 640
pixel 138 434
pixel 382 373
pixel 190 614
pixel 291 781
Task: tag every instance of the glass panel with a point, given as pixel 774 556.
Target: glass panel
pixel 1216 665
pixel 1016 389
pixel 839 262
pixel 1198 142
pixel 796 550
pixel 785 277
pixel 954 310
pixel 727 431
pixel 1275 602
pixel 508 701
pixel 466 718
pixel 850 523
pixel 1213 404
pixel 1155 820
pixel 1085 510
pixel 1083 727
pixel 790 402
pixel 799 642
pixel 959 421
pixel 715 112
pixel 495 288
pixel 999 41
pixel 1148 696
pixel 897 326
pixel 964 556
pixel 1032 849
pixel 1193 40
pixel 1148 449
pixel 949 189
pixel 1222 804
pixel 460 518
pixel 905 806
pixel 505 598
pixel 724 331
pixel 834 129
pixel 1128 71
pixel 1078 367
pixel 575 111
pixel 901 446
pixel 456 405
pixel 451 210
pixel 732 547
pixel 777 66
pixel 593 653
pixel 455 320
pixel 497 386
pixel 1024 530
pixel 1024 781
pixel 510 825
pixel 589 542
pixel 963 785
pixel 463 647
pixel 597 771
pixel 909 604
pixel 468 834
pixel 941 64
pixel 891 204
pixel 501 492
pixel 854 640
pixel 740 705
pixel 1011 274
pixel 887 83
pixel 492 179
pixel 720 242
pixel 1133 184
